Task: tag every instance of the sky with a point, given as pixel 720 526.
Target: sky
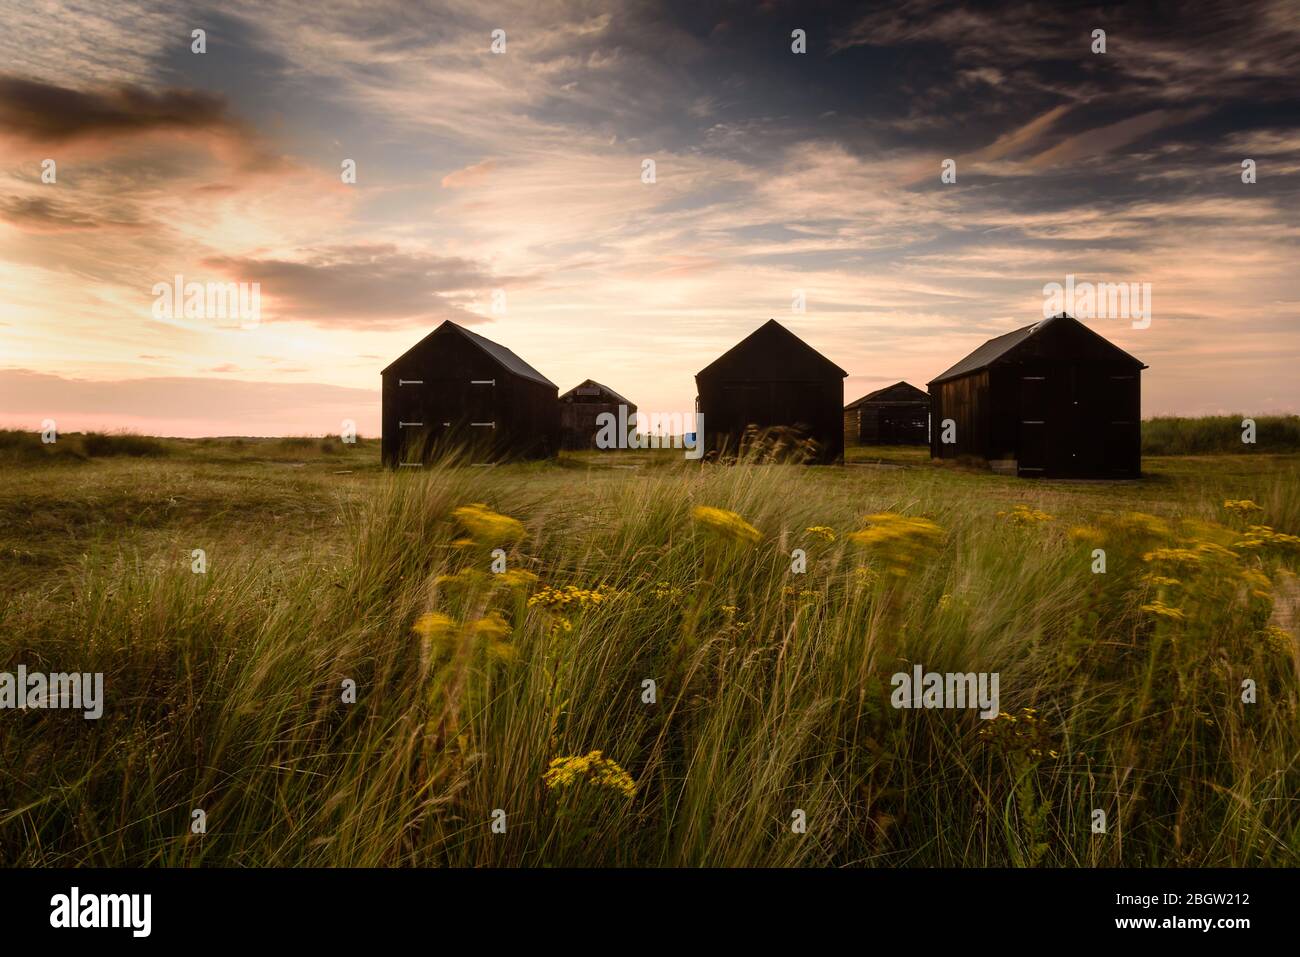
pixel 506 191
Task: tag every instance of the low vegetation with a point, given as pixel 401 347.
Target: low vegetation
pixel 611 660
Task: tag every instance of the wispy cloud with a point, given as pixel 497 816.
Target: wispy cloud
pixel 522 172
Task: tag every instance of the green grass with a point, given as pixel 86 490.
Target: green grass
pixel 1219 434
pixel 773 689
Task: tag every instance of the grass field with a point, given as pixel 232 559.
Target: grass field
pixel 1120 691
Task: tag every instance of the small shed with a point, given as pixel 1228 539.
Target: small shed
pixel 581 406
pixel 772 379
pixel 1050 400
pixel 455 389
pixel 898 414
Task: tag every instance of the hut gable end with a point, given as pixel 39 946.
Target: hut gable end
pixel 455 392
pixel 772 353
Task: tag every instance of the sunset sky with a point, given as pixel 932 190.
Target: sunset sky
pixel 522 172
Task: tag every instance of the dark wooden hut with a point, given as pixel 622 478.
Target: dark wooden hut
pixel 898 414
pixel 772 379
pixel 454 389
pixel 1051 400
pixel 581 406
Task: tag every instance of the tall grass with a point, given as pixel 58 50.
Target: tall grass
pixel 28 447
pixel 1213 434
pixel 771 689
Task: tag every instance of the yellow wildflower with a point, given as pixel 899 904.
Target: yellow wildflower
pixel 558 599
pixel 725 525
pixel 824 532
pixel 434 624
pixel 593 768
pixel 488 527
pixel 664 591
pixel 1278 638
pixel 1259 584
pixel 493 627
pixel 1141 524
pixel 900 540
pixel 517 578
pixel 1162 580
pixel 1024 515
pixel 1087 534
pixel 1161 610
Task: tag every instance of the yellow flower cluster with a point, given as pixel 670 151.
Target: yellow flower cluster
pixel 469 578
pixel 487 527
pixel 1161 580
pixel 1259 584
pixel 900 540
pixel 665 591
pixel 1024 515
pixel 1161 610
pixel 1124 526
pixel 565 601
pixel 724 525
pixel 1087 535
pixel 1279 639
pixel 1140 523
pixel 593 768
pixel 435 625
pixel 562 599
pixel 493 631
pixel 824 532
pixel 1242 505
pixel 1023 732
pixel 1263 536
pixel 1180 556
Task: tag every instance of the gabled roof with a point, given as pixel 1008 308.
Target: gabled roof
pixel 598 385
pixel 771 351
pixel 898 392
pixel 503 356
pixel 1002 346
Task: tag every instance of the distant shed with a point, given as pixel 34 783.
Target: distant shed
pixel 581 406
pixel 770 379
pixel 1051 400
pixel 455 389
pixel 898 414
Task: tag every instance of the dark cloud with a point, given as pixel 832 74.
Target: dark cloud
pixel 56 114
pixel 364 285
pixel 38 214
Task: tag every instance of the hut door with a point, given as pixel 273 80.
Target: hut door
pixel 1122 450
pixel 1034 423
pixel 440 416
pixel 482 424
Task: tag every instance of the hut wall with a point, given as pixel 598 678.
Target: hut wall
pixel 966 401
pixel 450 388
pixel 816 408
pixel 1064 419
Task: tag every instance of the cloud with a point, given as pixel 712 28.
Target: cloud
pixel 38 214
pixel 474 175
pixel 370 285
pixel 53 114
